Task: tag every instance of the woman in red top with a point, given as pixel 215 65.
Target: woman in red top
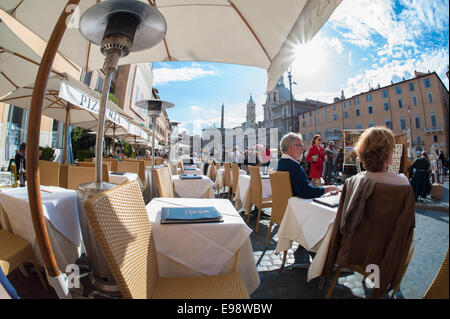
pixel 316 156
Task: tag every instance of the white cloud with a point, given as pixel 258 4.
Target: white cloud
pixel 196 108
pixel 166 75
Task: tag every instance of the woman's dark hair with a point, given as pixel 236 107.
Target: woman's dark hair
pixel 314 139
pixel 22 147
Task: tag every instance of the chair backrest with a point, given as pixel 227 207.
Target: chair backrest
pixel 383 234
pixel 169 169
pixel 217 165
pixel 174 169
pixel 281 192
pixel 49 173
pixel 180 166
pixel 92 164
pixel 227 174
pixel 439 287
pixel 114 162
pixel 71 176
pixel 147 162
pixel 129 167
pixel 164 182
pixel 235 174
pixel 255 185
pixel 120 224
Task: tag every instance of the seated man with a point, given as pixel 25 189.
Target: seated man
pixel 292 148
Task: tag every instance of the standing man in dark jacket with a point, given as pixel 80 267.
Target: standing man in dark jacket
pixel 292 148
pixel 20 157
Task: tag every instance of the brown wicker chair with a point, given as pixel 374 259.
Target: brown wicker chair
pixel 164 182
pixel 227 178
pixel 49 173
pixel 235 174
pixel 70 176
pixel 256 194
pixel 439 287
pixel 281 192
pixel 14 251
pixel 120 224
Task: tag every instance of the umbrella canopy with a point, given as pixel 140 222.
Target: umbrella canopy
pixel 63 91
pixel 260 33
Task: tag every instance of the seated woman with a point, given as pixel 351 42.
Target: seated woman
pixel 375 149
pixel 420 172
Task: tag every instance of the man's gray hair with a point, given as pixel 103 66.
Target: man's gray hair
pixel 289 139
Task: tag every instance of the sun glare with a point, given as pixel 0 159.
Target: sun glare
pixel 310 58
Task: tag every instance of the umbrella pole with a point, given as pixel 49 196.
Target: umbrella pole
pixel 34 124
pixel 153 155
pixel 114 139
pixel 65 133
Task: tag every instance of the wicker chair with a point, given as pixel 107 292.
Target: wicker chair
pixel 235 174
pixel 281 192
pixel 174 169
pixel 227 178
pixel 169 169
pixel 256 194
pixel 49 173
pixel 70 176
pixel 120 224
pixel 14 251
pixel 439 287
pixel 164 182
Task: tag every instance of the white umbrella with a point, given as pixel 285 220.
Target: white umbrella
pixel 68 100
pixel 256 33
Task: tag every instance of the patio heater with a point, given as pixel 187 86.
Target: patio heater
pixel 154 108
pixel 118 27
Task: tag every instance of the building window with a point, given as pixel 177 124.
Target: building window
pixel 99 85
pixel 385 94
pixel 400 104
pixel 398 89
pixel 430 97
pixel 371 123
pixel 303 116
pixel 358 126
pixel 350 103
pixel 87 78
pixel 334 107
pixel 345 104
pixel 318 132
pixel 356 100
pixel 310 135
pixel 310 121
pixel 357 112
pixel 411 86
pixel 326 118
pixel 414 100
pixel 335 117
pixel 386 106
pixel 433 119
pixel 345 114
pixel 426 82
pixel 310 114
pixel 335 131
pixel 435 138
pixel 402 123
pixel 370 109
pixel 419 140
pixel 304 124
pixel 417 119
pixel 318 120
pixel 326 133
pixel 346 127
pixel 274 97
pixel 369 97
pixel 389 124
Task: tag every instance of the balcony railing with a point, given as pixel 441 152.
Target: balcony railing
pixel 434 129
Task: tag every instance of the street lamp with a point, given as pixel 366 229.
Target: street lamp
pixel 290 97
pixel 154 108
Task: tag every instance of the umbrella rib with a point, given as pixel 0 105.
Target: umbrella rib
pixel 14 10
pixel 9 80
pixel 153 3
pixel 251 29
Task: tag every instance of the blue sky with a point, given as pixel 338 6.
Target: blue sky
pixel 364 43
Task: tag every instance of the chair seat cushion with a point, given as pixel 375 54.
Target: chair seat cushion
pixel 227 286
pixel 13 251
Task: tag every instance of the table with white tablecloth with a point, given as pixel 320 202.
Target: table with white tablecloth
pixel 200 249
pixel 121 178
pixel 193 188
pixel 60 210
pixel 310 224
pixel 220 177
pixel 243 191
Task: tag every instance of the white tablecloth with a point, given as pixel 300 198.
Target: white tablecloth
pixel 220 177
pixel 61 215
pixel 243 191
pixel 204 248
pixel 310 224
pixel 193 188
